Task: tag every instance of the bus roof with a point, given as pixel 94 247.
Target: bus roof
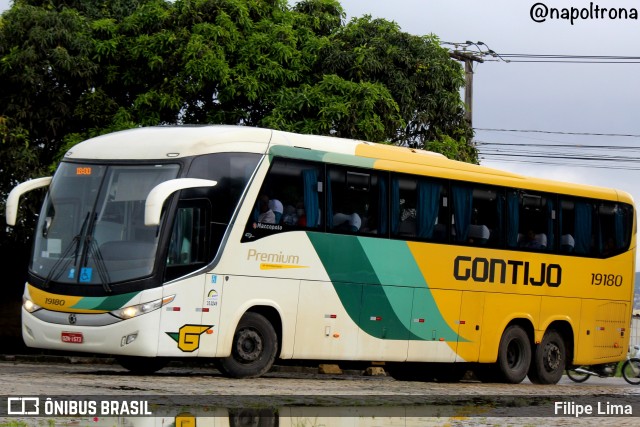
pixel 166 142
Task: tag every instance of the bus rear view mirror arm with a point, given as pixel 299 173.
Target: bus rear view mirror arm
pixel 11 212
pixel 159 194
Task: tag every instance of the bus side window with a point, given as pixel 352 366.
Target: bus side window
pixel 188 236
pixel 292 190
pixel 476 215
pixel 535 221
pixel 579 226
pixel 614 227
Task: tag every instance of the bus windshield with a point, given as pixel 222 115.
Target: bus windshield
pixel 91 228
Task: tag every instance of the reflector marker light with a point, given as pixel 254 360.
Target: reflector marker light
pixel 173 308
pixel 418 320
pixel 375 318
pixel 202 309
pixel 330 316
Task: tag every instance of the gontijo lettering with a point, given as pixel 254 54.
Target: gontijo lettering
pixel 495 270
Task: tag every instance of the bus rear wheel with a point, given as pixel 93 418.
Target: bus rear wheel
pixel 514 355
pixel 253 350
pixel 549 359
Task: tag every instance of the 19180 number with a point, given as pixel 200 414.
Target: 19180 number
pixel 598 279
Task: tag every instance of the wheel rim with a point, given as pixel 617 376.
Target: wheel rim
pixel 514 354
pixel 552 357
pixel 249 346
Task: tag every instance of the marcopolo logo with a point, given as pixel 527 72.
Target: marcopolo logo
pixel 495 270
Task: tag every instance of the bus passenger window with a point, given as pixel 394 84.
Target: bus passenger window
pixel 614 228
pixel 418 208
pixel 357 200
pixel 535 221
pixel 476 215
pixel 289 199
pixel 578 222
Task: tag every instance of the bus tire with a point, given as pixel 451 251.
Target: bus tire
pixel 549 359
pixel 514 355
pixel 253 350
pixel 142 365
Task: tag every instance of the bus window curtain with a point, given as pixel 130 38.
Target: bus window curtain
pixel 329 196
pixel 311 205
pixel 550 229
pixel 462 211
pixel 395 205
pixel 513 218
pixel 500 217
pixel 427 209
pixel 583 219
pixel 383 210
pixel 618 226
pixel 256 210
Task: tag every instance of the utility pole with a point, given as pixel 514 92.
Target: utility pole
pixel 468 58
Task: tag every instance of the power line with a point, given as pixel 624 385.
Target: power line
pixel 568 155
pixel 580 146
pixel 558 132
pixel 575 59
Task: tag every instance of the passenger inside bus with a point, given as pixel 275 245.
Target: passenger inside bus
pixel 531 240
pixel 266 214
pixel 276 207
pixel 345 222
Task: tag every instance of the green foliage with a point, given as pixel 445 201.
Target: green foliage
pixel 76 69
pixel 338 107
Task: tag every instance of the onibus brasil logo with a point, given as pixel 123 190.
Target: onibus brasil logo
pixel 188 336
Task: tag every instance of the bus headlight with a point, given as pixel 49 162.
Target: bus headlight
pixel 137 310
pixel 29 305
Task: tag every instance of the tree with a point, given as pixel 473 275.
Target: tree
pixel 418 73
pixel 73 69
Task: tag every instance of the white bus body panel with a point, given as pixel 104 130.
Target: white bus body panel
pixel 100 339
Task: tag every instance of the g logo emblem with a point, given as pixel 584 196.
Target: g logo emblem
pixel 188 337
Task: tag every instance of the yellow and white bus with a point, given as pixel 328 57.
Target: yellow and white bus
pixel 246 245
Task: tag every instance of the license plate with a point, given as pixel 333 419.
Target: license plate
pixel 72 337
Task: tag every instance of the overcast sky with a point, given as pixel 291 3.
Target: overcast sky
pixel 554 97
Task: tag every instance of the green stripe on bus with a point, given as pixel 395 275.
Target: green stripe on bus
pixel 320 156
pixel 104 303
pixel 359 266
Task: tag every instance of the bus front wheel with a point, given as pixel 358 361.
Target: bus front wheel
pixel 254 348
pixel 548 361
pixel 514 354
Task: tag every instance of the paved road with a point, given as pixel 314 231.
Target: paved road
pixel 305 399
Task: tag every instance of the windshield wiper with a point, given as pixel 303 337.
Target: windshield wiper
pixel 91 248
pixel 63 261
pixel 101 267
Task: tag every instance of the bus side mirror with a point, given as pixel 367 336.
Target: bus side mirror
pixel 161 192
pixel 11 211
